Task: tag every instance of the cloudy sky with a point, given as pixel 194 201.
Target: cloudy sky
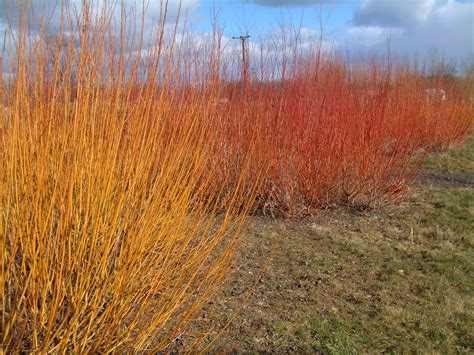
pixel 414 27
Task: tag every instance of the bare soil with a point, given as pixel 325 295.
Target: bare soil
pixel 447 179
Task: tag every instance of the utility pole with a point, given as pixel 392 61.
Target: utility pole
pixel 1 83
pixel 245 64
pixel 1 61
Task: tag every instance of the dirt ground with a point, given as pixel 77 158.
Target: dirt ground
pixel 447 179
pixel 399 279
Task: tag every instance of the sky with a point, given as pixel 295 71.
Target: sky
pixel 414 27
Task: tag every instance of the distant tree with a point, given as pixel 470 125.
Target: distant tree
pixel 438 68
pixel 468 71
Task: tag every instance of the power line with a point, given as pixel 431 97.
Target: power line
pixel 245 64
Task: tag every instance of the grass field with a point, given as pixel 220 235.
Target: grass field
pixel 399 279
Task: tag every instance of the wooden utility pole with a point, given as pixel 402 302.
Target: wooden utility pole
pixel 245 63
pixel 1 81
pixel 1 60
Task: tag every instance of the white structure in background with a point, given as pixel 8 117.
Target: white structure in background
pixel 436 94
pixel 219 102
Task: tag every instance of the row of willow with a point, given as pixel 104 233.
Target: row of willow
pixel 130 161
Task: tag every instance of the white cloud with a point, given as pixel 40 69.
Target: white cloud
pixel 277 3
pixel 51 9
pixel 289 3
pixel 447 26
pixel 369 36
pixel 390 13
pixel 10 8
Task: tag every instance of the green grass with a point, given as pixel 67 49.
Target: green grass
pixel 460 159
pixel 397 280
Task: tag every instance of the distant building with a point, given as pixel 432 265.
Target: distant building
pixel 436 94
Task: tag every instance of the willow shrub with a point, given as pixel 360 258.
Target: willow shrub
pixel 113 232
pixel 338 133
